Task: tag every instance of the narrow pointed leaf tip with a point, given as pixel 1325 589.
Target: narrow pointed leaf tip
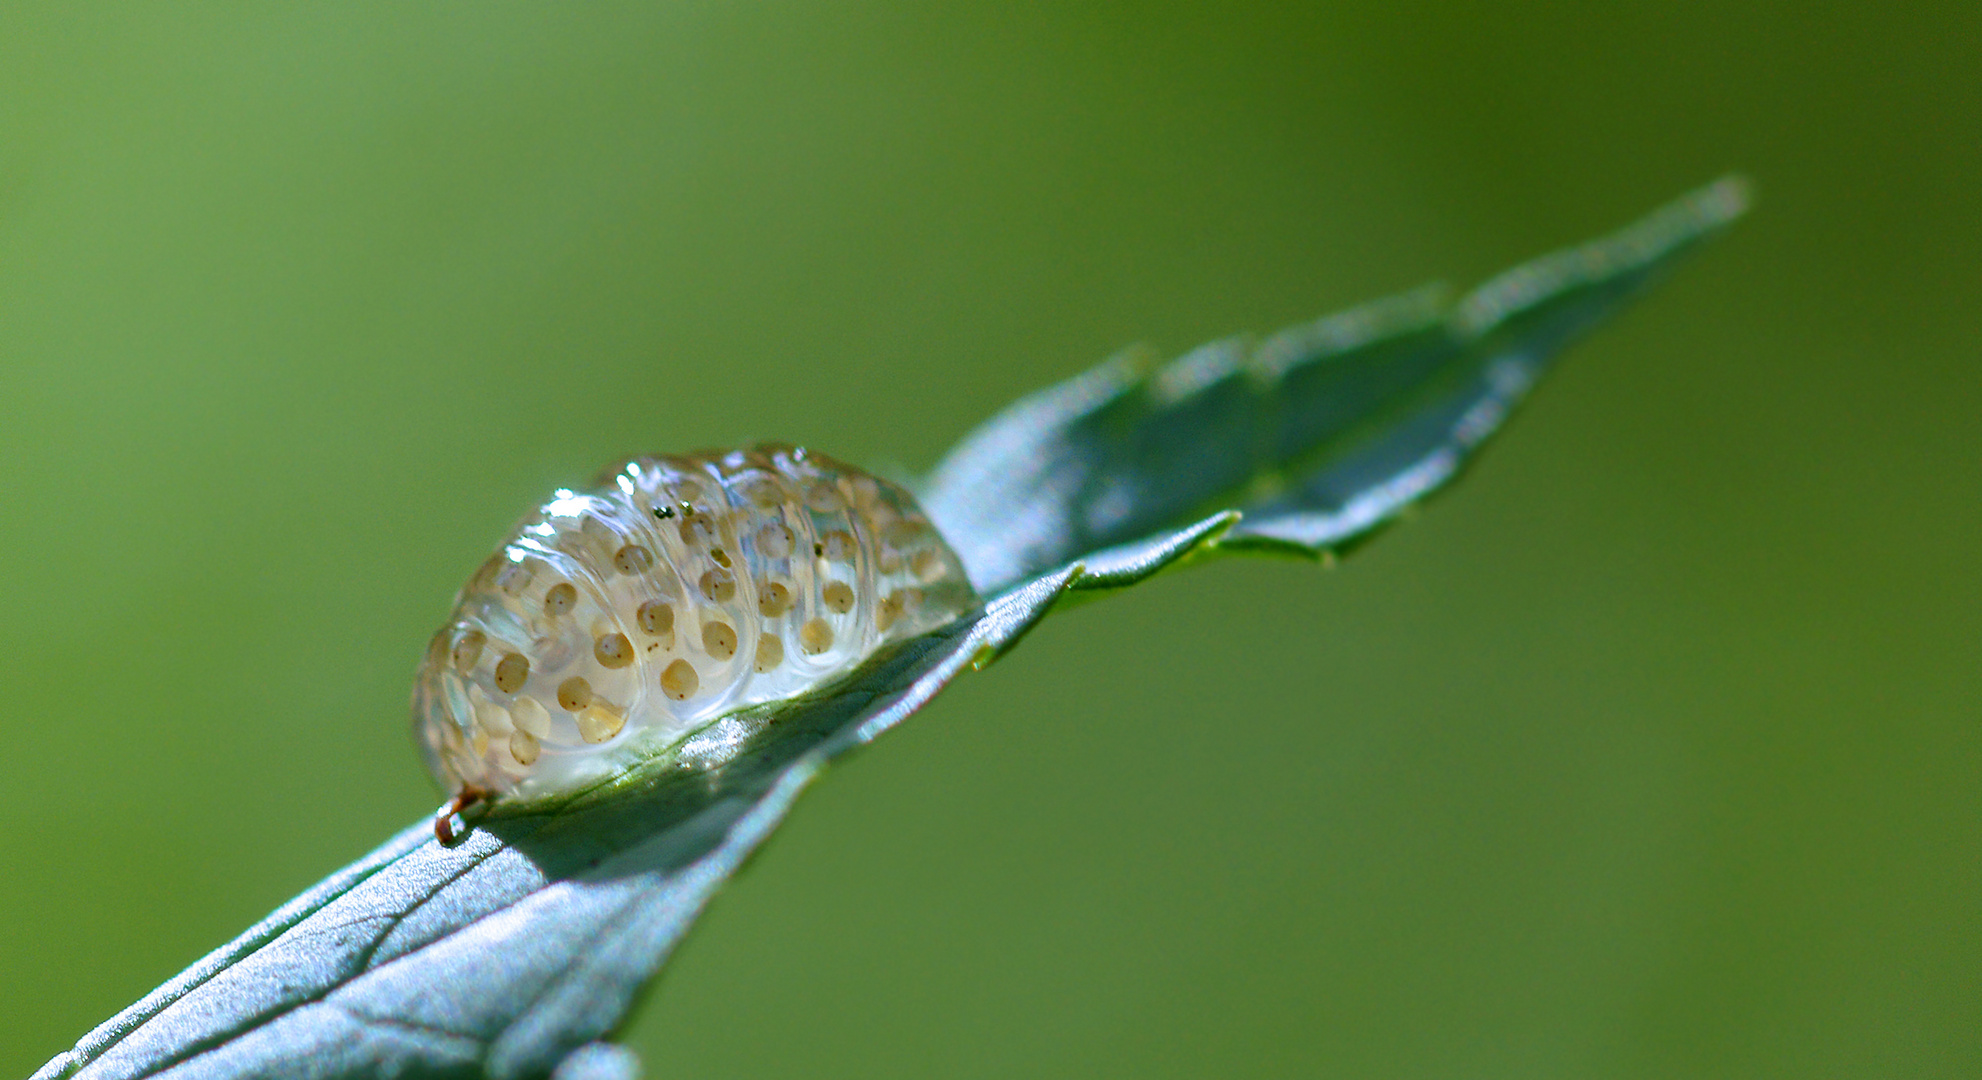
pixel 515 952
pixel 1317 434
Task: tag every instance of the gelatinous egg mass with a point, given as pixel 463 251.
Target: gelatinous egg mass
pixel 623 618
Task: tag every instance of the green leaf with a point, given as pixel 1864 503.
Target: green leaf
pixel 1317 434
pixel 513 953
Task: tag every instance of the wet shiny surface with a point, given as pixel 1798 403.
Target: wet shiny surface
pixel 680 588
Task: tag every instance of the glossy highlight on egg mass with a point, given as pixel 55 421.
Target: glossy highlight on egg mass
pixel 620 619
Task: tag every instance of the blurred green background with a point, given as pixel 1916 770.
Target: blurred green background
pixel 1652 751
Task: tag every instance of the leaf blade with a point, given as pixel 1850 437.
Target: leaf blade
pixel 407 967
pixel 518 949
pixel 1119 451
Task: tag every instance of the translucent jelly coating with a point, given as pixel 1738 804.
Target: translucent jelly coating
pixel 620 619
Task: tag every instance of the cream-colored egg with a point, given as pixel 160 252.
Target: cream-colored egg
pixel 621 619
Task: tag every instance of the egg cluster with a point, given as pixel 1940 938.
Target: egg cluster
pixel 679 589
